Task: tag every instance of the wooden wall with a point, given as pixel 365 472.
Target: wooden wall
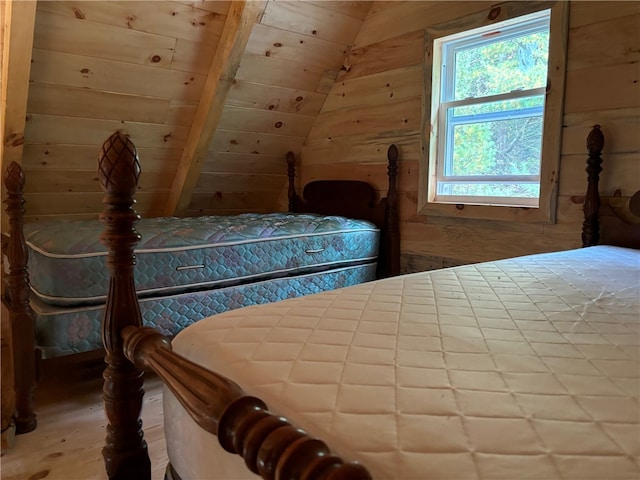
pixel 100 66
pixel 143 66
pixel 288 67
pixel 376 101
pixel 337 81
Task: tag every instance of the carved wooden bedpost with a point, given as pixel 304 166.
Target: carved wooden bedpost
pixel 22 327
pixel 591 225
pixel 270 446
pixel 125 453
pixel 391 222
pixel 291 173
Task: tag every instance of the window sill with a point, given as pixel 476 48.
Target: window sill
pixel 486 212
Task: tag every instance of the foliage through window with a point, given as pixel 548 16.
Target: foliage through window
pixel 490 112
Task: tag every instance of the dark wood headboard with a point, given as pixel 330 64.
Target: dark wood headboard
pixel 356 199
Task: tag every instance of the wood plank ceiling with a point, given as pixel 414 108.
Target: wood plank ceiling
pixel 213 94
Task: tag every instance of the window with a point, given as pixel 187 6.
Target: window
pixel 494 140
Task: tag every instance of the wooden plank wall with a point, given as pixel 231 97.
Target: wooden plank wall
pixel 376 101
pixel 289 65
pixel 98 66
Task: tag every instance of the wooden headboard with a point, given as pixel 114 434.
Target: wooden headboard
pixel 610 220
pixel 356 199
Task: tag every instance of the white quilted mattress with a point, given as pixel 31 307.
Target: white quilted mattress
pixel 525 368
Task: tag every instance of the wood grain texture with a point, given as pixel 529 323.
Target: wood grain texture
pixel 71 432
pixel 589 51
pixel 84 205
pixel 171 19
pixel 586 12
pixel 234 182
pixel 354 8
pixel 274 98
pixel 235 34
pixel 225 162
pixel 376 89
pixel 265 121
pixel 51 99
pixel 600 90
pixel 17 40
pixel 620 126
pixel 82 37
pixel 237 141
pixel 397 52
pixel 108 75
pixel 83 157
pixel 189 56
pixel 311 20
pixel 362 148
pixel 17 294
pixel 292 46
pixel 237 202
pixel 399 116
pixel 585 93
pixel 8 400
pixel 390 19
pixel 269 70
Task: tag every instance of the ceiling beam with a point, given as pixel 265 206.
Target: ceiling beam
pixel 18 24
pixel 240 20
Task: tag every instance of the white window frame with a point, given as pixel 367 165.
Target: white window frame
pixel 541 210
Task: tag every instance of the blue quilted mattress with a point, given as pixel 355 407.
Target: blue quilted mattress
pixel 67 330
pixel 67 261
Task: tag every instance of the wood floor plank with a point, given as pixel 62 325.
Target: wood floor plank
pixel 71 429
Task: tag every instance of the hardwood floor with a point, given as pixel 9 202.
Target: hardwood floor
pixel 68 442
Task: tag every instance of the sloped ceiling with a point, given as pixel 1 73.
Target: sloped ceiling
pixel 212 93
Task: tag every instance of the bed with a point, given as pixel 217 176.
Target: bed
pixel 519 368
pixel 191 268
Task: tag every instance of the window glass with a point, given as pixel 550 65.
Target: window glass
pixel 489 102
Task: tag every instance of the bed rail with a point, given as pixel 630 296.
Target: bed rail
pixel 270 446
pixel 17 301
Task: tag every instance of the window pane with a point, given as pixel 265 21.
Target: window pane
pixel 509 146
pixel 515 190
pixel 502 66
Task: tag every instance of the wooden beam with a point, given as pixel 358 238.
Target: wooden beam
pixel 18 23
pixel 17 42
pixel 235 35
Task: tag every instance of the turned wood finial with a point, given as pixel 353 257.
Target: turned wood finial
pixel 125 453
pixel 21 318
pixel 269 445
pixel 595 141
pixel 118 165
pixel 291 173
pixel 591 224
pixel 14 179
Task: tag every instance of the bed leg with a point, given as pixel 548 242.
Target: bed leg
pixel 21 318
pixel 125 453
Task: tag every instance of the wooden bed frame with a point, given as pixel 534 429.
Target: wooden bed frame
pixel 349 198
pixel 270 446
